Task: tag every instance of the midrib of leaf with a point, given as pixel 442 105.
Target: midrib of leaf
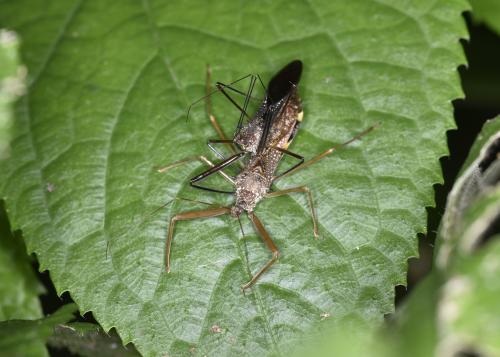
pixel 126 95
pixel 258 300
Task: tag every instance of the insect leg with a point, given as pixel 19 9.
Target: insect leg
pixel 292 154
pixel 217 168
pixel 221 89
pixel 245 104
pixel 307 191
pixel 213 120
pixel 210 143
pixel 194 158
pixel 270 244
pixel 212 92
pixel 326 153
pixel 211 212
pixel 228 86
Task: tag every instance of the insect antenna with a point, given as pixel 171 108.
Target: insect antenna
pixel 220 88
pixel 245 104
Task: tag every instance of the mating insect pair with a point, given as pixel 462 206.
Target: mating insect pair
pixel 260 143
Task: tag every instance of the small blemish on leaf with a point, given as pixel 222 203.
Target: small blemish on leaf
pixel 216 329
pixel 50 187
pixel 324 316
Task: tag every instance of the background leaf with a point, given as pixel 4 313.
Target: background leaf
pixel 89 340
pixel 19 289
pixel 24 337
pixel 109 86
pixel 487 11
pixel 455 310
pixel 11 85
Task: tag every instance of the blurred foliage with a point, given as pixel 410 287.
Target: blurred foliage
pixel 487 11
pixel 11 85
pixel 20 288
pixel 23 338
pixel 89 340
pixel 456 311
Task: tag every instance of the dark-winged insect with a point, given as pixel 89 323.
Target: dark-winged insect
pixel 260 143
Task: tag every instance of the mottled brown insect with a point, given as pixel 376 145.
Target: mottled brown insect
pixel 260 144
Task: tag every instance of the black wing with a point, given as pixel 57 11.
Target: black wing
pixel 278 92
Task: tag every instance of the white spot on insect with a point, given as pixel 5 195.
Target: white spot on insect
pixel 300 116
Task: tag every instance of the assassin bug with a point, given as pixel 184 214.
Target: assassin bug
pixel 261 143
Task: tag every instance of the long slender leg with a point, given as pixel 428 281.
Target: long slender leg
pixel 245 104
pixel 221 89
pixel 292 154
pixel 307 191
pixel 214 91
pixel 152 213
pixel 213 120
pixel 326 153
pixel 228 86
pixel 217 168
pixel 210 143
pixel 269 243
pixel 211 212
pixel 156 210
pixel 201 158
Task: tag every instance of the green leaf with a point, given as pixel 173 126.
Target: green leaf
pixel 455 311
pixel 19 288
pixel 11 85
pixel 110 83
pixel 24 337
pixel 478 177
pixel 469 311
pixel 487 11
pixel 413 330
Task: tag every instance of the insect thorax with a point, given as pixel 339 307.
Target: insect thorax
pixel 253 183
pixel 249 135
pixel 251 187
